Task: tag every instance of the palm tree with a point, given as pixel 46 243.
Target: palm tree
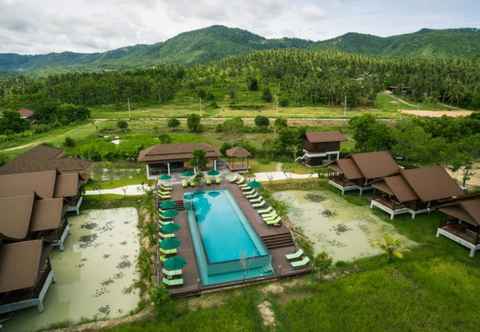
pixel 199 160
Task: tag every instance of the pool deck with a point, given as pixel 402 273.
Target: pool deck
pixel 191 276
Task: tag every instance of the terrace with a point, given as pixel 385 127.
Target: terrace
pixel 277 240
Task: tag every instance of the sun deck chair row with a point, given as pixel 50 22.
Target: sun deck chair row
pixel 215 180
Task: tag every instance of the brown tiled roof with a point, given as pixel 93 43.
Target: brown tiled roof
pixel 42 183
pixel 44 158
pixel 349 169
pixel 164 152
pixel 467 210
pixel 325 136
pixel 47 215
pixel 401 189
pixel 67 185
pixel 16 213
pixel 20 265
pixel 237 152
pixel 432 183
pixel 374 165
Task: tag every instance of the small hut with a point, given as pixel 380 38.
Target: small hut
pixel 238 159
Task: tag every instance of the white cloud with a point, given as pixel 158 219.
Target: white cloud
pixel 32 26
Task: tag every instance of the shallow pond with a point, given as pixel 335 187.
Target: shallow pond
pixel 343 230
pixel 94 275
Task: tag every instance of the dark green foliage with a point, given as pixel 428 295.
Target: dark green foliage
pixel 11 122
pixel 165 306
pixel 122 125
pixel 252 84
pixel 262 121
pixel 69 142
pixel 267 95
pixel 280 123
pixel 283 102
pixel 289 142
pixel 369 134
pixel 199 160
pixel 164 138
pixel 225 146
pixel 173 123
pixel 234 125
pixel 193 123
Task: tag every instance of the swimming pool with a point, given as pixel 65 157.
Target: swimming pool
pixel 226 246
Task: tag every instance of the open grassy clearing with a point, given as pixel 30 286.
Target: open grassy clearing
pixel 413 294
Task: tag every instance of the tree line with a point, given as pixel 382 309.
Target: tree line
pixel 288 77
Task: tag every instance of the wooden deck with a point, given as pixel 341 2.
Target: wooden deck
pixel 192 283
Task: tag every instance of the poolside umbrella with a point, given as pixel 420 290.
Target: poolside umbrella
pixel 169 213
pixel 188 174
pixel 170 243
pixel 170 228
pixel 168 205
pixel 213 172
pixel 174 263
pixel 255 184
pixel 165 177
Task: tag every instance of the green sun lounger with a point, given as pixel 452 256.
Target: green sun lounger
pixel 249 192
pixel 301 263
pixel 218 180
pixel 173 282
pixel 295 255
pixel 235 178
pixel 172 273
pixel 250 196
pixel 269 215
pixel 165 188
pixel 208 181
pixel 165 222
pixel 168 251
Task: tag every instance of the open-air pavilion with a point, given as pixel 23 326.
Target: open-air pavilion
pixel 169 158
pixel 238 159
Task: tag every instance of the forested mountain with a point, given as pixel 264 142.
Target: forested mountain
pixel 295 77
pixel 218 42
pixel 426 42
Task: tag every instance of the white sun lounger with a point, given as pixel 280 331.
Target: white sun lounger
pixel 273 222
pixel 166 236
pixel 259 204
pixel 173 282
pixel 168 252
pixel 256 199
pixel 295 255
pixel 267 210
pixel 172 273
pixel 301 263
pixel 233 179
pixel 250 196
pixel 270 217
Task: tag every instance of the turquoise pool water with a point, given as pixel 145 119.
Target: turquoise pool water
pixel 226 246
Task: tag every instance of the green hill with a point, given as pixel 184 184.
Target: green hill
pixel 426 42
pixel 218 42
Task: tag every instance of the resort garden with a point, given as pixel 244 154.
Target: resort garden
pixel 223 224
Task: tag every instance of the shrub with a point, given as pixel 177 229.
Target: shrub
pixel 262 121
pixel 165 307
pixel 193 123
pixel 322 262
pixel 234 125
pixel 173 123
pixel 69 142
pixel 252 84
pixel 280 123
pixel 283 102
pixel 165 138
pixel 225 146
pixel 122 125
pixel 267 95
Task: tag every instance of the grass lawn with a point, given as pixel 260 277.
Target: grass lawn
pixel 434 288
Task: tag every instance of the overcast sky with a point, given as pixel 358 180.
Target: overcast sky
pixel 41 26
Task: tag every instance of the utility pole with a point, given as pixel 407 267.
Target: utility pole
pixel 129 110
pixel 345 109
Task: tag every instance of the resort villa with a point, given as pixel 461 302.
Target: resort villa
pixel 321 147
pixel 37 190
pixel 415 191
pixel 169 158
pixel 462 222
pixel 360 170
pixel 25 275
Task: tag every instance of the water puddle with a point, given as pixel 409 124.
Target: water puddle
pixel 345 231
pixel 94 275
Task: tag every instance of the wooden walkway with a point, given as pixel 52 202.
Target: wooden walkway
pixel 191 275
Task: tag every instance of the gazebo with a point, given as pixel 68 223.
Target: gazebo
pixel 238 159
